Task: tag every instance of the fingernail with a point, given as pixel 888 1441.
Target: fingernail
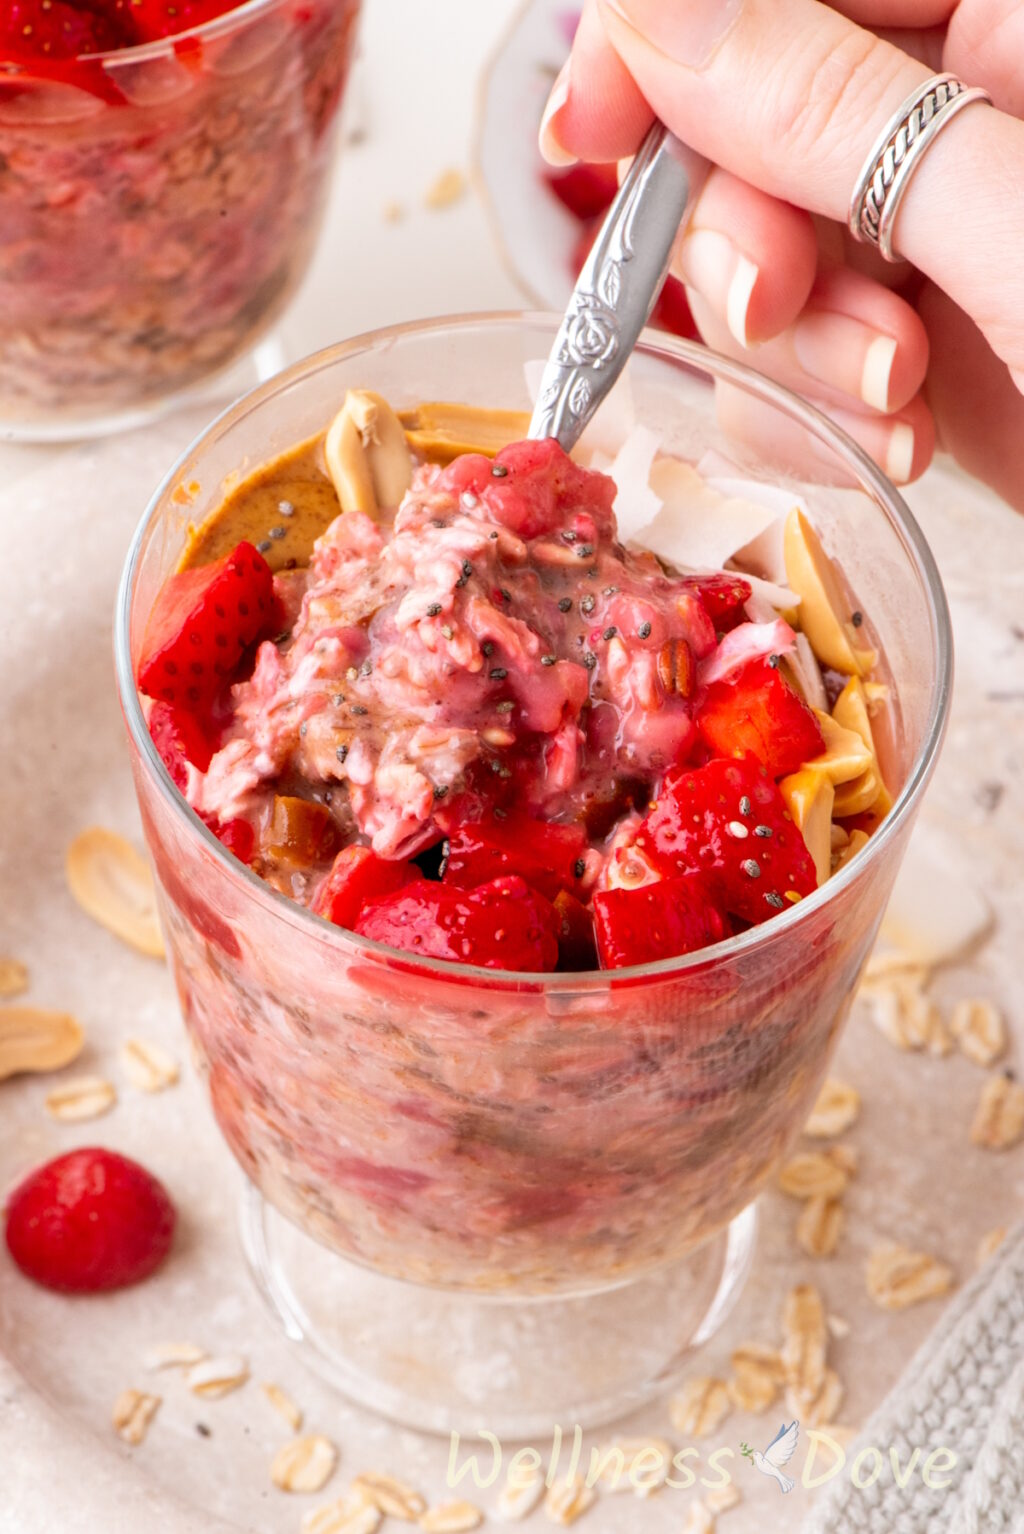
pixel 710 262
pixel 689 33
pixel 899 456
pixel 1017 374
pixel 848 355
pixel 550 147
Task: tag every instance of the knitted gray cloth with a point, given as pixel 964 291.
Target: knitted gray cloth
pixel 964 1390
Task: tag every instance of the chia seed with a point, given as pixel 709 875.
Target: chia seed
pixel 357 708
pixel 366 668
pixel 548 660
pixel 497 673
pixel 438 522
pixel 341 752
pixel 773 661
pixel 467 568
pixel 587 605
pixel 610 591
pixel 440 789
pixel 505 706
pixel 762 830
pixel 568 537
pixel 775 900
pixel 278 532
pixel 579 868
pixel 487 647
pixel 506 596
pixel 286 508
pixel 447 631
pixel 263 545
pixel 338 699
pixel 564 604
pixel 644 631
pixel 494 536
pixel 499 471
pixel 751 869
pixel 610 632
pixel 590 660
pixel 500 813
pixel 585 551
pixel 744 805
pixel 302 728
pixel 434 610
pixel 857 619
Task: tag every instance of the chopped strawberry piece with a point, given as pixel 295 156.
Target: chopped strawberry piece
pixel 501 925
pixel 202 623
pixel 359 876
pixel 672 311
pixel 723 595
pixel 656 921
pixel 586 190
pixel 90 1220
pixel 547 855
pixel 180 737
pixel 33 30
pixel 238 836
pixel 728 820
pixel 576 947
pixel 153 19
pixel 582 245
pixel 532 487
pixel 758 713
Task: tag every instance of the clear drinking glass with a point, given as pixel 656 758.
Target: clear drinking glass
pixel 158 207
pixel 461 1177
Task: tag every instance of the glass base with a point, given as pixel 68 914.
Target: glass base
pixel 444 1360
pixel 255 367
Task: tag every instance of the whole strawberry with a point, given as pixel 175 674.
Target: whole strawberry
pixel 88 1221
pixel 51 29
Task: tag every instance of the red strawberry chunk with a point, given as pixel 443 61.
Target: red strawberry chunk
pixel 532 487
pixel 152 19
pixel 547 855
pixel 729 821
pixel 357 877
pixel 31 30
pixel 672 311
pixel 180 737
pixel 501 925
pixel 723 596
pixel 586 190
pixel 238 836
pixel 757 712
pixel 656 921
pixel 89 1220
pixel 202 623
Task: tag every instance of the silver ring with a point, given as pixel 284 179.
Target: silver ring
pixel 906 137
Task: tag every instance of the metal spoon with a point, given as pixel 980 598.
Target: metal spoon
pixel 617 288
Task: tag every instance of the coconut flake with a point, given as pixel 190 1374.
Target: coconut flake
pixel 808 673
pixel 764 552
pixel 697 528
pixel 636 504
pixel 750 641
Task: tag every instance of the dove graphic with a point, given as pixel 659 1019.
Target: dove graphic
pixel 778 1453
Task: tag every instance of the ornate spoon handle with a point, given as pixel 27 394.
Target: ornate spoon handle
pixel 616 290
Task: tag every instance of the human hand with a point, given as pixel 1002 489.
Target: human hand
pixel 786 97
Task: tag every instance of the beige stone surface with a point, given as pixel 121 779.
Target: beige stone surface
pixel 66 516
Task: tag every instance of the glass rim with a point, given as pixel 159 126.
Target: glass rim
pixel 693 356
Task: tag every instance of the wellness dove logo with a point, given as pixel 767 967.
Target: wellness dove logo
pixel 778 1453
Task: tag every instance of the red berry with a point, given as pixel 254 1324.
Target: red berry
pixel 148 20
pixel 672 311
pixel 757 712
pixel 656 921
pixel 90 1220
pixel 180 738
pixel 357 877
pixel 501 925
pixel 729 821
pixel 532 487
pixel 202 623
pixel 543 853
pixel 33 30
pixel 723 596
pixel 586 190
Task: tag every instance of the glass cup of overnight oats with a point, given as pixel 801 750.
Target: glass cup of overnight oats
pixel 480 1197
pixel 159 205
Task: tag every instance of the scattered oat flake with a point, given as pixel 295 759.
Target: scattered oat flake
pixel 446 189
pixel 989 1244
pixel 898 1277
pixel 391 1496
pixel 113 885
pixel 819 1227
pixel 133 1411
pixel 699 1519
pixel 757 1375
pixel 999 1117
pixel 812 1174
pixel 836 1109
pixel 519 1496
pixel 13 977
pixel 883 964
pixel 173 1355
pixel 34 1040
pixel 806 1339
pixel 980 1031
pixel 817 1406
pixel 568 1499
pixel 845 1157
pixel 304 1464
pixel 723 1498
pixel 216 1377
pixel 451 1518
pixel 85 1097
pixel 350 1514
pixel 283 1405
pixel 148 1066
pixel 700 1407
pixel 907 1016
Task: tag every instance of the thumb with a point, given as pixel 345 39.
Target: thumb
pixel 790 96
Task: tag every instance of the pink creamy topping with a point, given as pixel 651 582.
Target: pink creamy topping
pixel 495 624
